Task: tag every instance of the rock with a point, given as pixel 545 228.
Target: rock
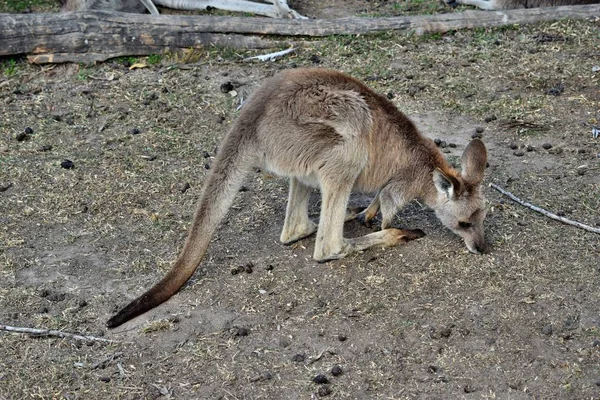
pixel 298 358
pixel 320 379
pixel 226 87
pixel 446 332
pixel 479 129
pixel 547 329
pixel 336 370
pixel 67 164
pixel 28 131
pixel 546 146
pixel 22 136
pixel 513 146
pixel 519 153
pixel 241 331
pixel 342 338
pixel 490 118
pixel 324 391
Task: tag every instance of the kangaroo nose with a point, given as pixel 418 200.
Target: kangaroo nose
pixel 481 247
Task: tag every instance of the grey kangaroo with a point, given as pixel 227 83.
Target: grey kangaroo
pixel 491 5
pixel 323 129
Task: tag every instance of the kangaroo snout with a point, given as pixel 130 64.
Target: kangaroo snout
pixel 477 247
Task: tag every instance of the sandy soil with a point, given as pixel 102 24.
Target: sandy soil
pixel 426 320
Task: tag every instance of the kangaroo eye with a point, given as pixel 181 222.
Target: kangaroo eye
pixel 464 224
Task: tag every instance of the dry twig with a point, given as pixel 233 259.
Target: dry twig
pixel 52 332
pixel 544 212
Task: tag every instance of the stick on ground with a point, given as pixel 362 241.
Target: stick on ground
pixel 51 332
pixel 544 212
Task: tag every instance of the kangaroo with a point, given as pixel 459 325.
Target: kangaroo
pixel 491 5
pixel 323 129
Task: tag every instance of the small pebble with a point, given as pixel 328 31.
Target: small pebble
pixel 336 370
pixel 476 135
pixel 530 148
pixel 22 136
pixel 437 141
pixel 324 391
pixel 242 332
pixel 28 131
pixel 519 153
pixel 390 95
pixel 135 131
pixel 226 87
pixel 446 332
pixel 513 146
pixel 490 118
pixel 320 379
pixel 67 164
pixel 443 144
pixel 184 188
pixel 206 166
pixel 596 343
pixel 547 329
pixel 581 151
pixel 546 146
pixel 237 270
pixel 452 145
pixel 269 267
pixel 248 267
pixel 298 358
pixel 468 389
pixel 82 303
pixel 342 338
pixel 479 129
pixel 315 59
pixel 105 379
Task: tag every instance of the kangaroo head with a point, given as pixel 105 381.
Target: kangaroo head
pixel 460 203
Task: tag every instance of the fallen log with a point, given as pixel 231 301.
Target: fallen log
pixel 99 35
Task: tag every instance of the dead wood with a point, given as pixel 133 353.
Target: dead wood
pixel 99 35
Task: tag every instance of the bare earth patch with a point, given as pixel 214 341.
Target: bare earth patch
pixel 420 321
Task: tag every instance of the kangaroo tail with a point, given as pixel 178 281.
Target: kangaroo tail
pixel 227 176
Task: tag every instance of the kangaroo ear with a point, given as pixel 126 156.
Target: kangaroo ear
pixel 446 184
pixel 474 160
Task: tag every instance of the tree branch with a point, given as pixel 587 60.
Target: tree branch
pixel 99 35
pixel 544 212
pixel 51 332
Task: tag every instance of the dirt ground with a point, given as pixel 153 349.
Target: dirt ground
pixel 426 320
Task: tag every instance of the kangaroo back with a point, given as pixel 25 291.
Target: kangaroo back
pixel 232 164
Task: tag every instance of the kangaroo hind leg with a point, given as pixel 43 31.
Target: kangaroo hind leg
pixel 297 224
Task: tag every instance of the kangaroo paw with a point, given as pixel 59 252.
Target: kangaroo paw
pixel 365 218
pixel 353 213
pixel 298 233
pixel 411 234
